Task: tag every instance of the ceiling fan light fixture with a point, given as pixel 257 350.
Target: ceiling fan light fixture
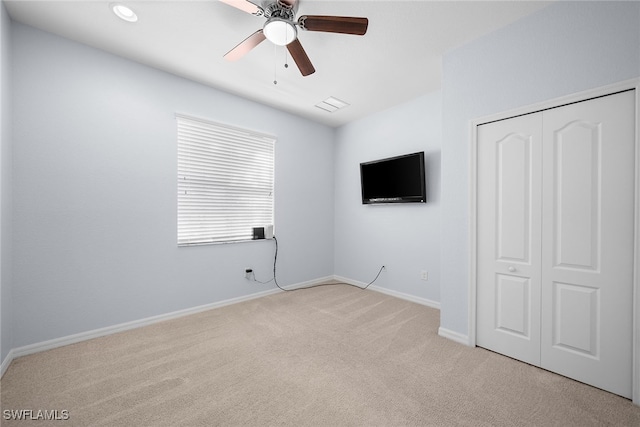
pixel 280 31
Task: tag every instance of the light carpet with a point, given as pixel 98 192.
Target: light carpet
pixel 328 356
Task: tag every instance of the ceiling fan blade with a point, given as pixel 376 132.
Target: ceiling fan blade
pixel 334 24
pixel 246 6
pixel 300 57
pixel 245 46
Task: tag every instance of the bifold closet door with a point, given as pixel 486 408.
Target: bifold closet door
pixel 587 241
pixel 555 239
pixel 509 238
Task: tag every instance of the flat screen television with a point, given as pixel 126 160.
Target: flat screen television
pixel 394 180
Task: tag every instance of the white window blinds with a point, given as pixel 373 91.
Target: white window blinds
pixel 225 181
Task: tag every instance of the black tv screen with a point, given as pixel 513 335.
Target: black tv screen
pixel 394 180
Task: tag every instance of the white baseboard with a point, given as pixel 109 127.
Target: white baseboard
pixel 454 336
pixel 401 295
pixel 6 362
pixel 83 336
pixel 308 283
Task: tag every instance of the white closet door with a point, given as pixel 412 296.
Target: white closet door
pixel 555 233
pixel 587 225
pixel 509 237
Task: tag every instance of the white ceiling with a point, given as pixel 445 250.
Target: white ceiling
pixel 397 60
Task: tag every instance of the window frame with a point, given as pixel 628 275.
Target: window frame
pixel 223 173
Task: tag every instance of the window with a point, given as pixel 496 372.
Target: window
pixel 225 182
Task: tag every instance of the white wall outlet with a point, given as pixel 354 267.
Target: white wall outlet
pixel 248 273
pixel 424 275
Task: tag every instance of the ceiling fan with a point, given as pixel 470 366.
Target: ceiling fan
pixel 281 30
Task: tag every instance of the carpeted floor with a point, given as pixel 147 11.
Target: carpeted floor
pixel 327 356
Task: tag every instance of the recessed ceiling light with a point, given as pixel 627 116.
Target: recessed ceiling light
pixel 123 12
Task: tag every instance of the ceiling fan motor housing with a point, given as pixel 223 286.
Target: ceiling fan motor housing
pixel 280 27
pixel 279 9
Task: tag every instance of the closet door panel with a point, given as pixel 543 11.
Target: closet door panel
pixel 508 304
pixel 587 241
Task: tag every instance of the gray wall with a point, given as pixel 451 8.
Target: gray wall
pixel 94 170
pixel 5 185
pixel 404 238
pixel 565 48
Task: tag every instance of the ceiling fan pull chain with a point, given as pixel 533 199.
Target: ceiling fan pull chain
pixel 275 64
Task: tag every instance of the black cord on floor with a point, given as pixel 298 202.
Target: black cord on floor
pixel 275 260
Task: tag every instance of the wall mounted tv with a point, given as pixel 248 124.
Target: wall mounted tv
pixel 394 180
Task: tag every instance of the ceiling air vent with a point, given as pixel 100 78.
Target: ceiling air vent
pixel 331 104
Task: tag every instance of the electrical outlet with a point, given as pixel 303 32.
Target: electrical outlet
pixel 424 275
pixel 248 273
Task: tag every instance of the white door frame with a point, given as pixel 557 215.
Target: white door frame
pixel 473 212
